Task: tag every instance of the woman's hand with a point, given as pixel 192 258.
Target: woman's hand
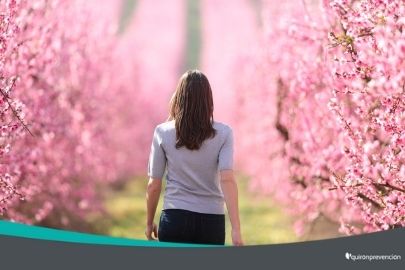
pixel 237 238
pixel 150 231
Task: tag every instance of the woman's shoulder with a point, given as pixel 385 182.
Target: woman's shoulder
pixel 222 126
pixel 165 126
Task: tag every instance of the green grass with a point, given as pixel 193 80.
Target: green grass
pixel 261 220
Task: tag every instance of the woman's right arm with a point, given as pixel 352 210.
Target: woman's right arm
pixel 230 191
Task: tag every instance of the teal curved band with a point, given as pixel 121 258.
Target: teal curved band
pixel 9 228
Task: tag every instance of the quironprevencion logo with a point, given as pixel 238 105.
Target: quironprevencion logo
pixel 372 257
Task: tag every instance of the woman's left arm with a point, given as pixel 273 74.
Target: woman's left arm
pixel 152 199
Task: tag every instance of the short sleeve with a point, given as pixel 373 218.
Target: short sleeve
pixel 225 159
pixel 157 157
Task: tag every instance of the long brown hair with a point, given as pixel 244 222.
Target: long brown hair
pixel 192 109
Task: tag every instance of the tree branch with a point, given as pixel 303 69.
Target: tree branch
pixel 15 113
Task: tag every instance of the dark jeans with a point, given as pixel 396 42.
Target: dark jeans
pixel 184 226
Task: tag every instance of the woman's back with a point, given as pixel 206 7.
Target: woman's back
pixel 197 154
pixel 192 175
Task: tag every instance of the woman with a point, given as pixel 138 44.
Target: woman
pixel 198 155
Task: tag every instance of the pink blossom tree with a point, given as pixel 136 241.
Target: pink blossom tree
pixel 332 86
pixel 56 106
